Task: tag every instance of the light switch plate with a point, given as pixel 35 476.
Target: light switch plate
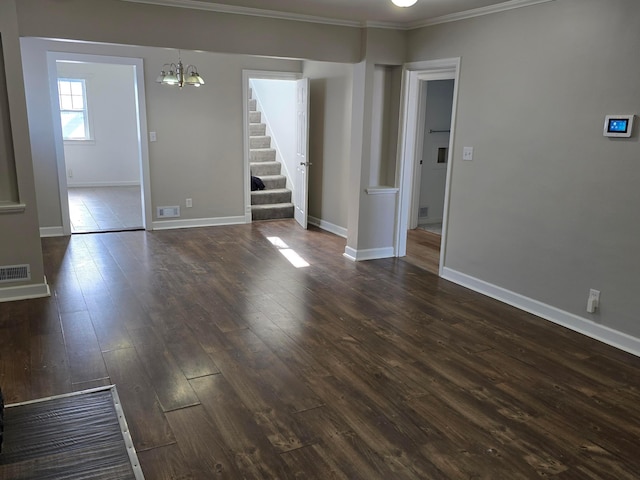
pixel 467 153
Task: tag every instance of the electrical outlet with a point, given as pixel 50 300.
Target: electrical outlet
pixel 188 203
pixel 153 137
pixel 70 173
pixel 467 153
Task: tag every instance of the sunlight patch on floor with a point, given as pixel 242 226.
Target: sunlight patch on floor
pixel 288 253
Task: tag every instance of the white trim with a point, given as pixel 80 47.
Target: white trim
pixel 143 135
pixel 329 227
pixel 10 207
pixel 51 232
pixel 299 17
pixel 413 75
pixel 198 222
pixel 125 183
pixel 475 12
pixel 381 190
pixel 571 321
pixel 25 292
pixel 368 254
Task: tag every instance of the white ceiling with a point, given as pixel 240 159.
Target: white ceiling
pixel 361 12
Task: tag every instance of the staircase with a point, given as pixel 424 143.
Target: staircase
pixel 275 200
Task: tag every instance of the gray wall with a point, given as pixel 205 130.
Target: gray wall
pixel 329 140
pixel 199 149
pixel 20 239
pixel 548 208
pixel 114 21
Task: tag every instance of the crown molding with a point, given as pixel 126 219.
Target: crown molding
pixel 254 12
pixel 258 12
pixel 476 12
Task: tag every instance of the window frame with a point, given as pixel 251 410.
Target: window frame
pixel 86 111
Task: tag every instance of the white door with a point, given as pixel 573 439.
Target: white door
pixel 301 198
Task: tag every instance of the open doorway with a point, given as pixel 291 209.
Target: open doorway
pixel 102 159
pixel 431 172
pixel 425 227
pixel 429 96
pixel 276 145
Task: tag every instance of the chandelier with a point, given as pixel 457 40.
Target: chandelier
pixel 176 74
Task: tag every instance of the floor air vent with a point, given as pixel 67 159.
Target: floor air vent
pixel 15 273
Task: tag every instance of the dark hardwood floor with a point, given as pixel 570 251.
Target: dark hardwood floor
pixel 231 363
pixel 423 250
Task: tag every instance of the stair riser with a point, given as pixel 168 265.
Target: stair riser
pixel 266 197
pixel 252 105
pixel 268 155
pixel 274 182
pixel 266 168
pixel 260 142
pixel 255 117
pixel 257 129
pixel 273 213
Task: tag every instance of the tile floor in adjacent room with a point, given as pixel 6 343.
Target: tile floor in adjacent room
pixel 99 209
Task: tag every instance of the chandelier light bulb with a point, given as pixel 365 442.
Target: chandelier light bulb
pixel 404 3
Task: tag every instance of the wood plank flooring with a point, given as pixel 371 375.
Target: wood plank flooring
pixel 233 364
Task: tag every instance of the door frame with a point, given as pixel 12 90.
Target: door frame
pixel 141 112
pixel 412 115
pixel 248 75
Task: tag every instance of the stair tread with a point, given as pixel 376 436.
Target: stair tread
pixel 271 205
pixel 269 162
pixel 269 177
pixel 273 190
pixel 265 149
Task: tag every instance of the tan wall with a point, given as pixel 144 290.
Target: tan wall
pixel 114 21
pixel 199 148
pixel 20 239
pixel 329 140
pixel 548 208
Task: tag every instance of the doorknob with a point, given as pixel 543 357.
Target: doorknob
pixel 308 164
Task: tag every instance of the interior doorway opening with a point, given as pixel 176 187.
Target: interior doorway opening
pixel 427 139
pixel 276 145
pixel 102 157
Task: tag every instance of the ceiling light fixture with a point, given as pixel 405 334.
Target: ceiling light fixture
pixel 404 3
pixel 179 75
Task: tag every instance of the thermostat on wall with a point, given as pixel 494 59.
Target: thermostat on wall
pixel 618 125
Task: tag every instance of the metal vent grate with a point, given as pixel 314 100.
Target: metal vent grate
pixel 15 273
pixel 424 212
pixel 164 212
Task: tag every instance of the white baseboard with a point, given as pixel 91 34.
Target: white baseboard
pixel 25 292
pixel 197 222
pixel 329 227
pixel 51 232
pixel 124 183
pixel 369 254
pixel 571 321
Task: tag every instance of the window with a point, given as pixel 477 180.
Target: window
pixel 74 116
